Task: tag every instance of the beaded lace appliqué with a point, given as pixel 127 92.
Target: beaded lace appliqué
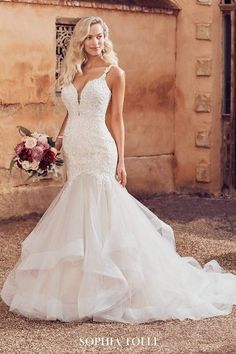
pixel 88 146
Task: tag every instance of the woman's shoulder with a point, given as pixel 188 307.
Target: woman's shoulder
pixel 117 71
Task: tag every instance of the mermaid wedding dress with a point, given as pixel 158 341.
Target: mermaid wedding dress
pixel 97 252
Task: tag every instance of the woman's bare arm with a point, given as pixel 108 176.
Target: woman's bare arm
pixel 59 139
pixel 117 122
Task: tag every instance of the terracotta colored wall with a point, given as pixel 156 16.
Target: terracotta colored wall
pixel 198 167
pixel 147 53
pixel 169 145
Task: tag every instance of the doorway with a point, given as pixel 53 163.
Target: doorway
pixel 228 8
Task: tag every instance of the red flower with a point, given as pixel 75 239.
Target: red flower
pixel 48 156
pixel 19 147
pixel 26 155
pixel 43 165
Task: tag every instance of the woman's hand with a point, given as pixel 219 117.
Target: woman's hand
pixel 121 173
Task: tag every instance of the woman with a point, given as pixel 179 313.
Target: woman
pixel 98 253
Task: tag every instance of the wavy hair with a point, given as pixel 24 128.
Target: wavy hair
pixel 76 56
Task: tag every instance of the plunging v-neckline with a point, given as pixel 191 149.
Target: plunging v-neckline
pixel 79 92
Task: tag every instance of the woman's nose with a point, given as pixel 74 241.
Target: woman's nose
pixel 94 41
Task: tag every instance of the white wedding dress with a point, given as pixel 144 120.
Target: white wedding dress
pixel 97 252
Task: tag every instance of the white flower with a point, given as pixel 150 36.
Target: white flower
pixel 30 142
pixel 57 172
pixel 26 165
pixel 34 165
pixel 42 139
pixel 35 135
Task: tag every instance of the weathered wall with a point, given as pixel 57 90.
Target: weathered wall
pixel 147 53
pixel 198 96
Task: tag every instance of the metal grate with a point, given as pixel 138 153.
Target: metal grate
pixel 227 5
pixel 64 30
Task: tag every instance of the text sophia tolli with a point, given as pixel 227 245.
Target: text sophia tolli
pixel 114 341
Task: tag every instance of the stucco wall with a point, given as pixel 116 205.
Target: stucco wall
pixel 198 97
pixel 146 44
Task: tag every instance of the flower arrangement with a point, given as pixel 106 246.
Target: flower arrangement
pixel 36 154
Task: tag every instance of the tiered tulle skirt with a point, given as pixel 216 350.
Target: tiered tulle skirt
pixel 98 253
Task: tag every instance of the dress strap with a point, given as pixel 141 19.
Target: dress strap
pixel 108 69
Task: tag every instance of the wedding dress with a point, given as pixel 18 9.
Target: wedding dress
pixel 97 252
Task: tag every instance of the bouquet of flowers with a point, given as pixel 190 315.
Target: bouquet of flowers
pixel 36 154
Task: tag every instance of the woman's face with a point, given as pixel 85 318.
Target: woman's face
pixel 94 42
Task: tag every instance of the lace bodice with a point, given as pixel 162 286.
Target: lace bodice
pixel 87 144
pixel 95 91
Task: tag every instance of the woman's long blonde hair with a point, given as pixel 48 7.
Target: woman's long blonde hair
pixel 76 56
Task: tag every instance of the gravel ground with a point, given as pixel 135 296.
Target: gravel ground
pixel 204 228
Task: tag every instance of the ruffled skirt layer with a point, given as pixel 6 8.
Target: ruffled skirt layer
pixel 98 253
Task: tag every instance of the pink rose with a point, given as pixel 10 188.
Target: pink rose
pixel 54 151
pixel 44 145
pixel 37 153
pixel 30 142
pixel 42 139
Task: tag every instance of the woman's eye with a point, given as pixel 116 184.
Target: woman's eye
pixel 98 37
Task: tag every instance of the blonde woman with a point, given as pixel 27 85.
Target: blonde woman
pixel 98 253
